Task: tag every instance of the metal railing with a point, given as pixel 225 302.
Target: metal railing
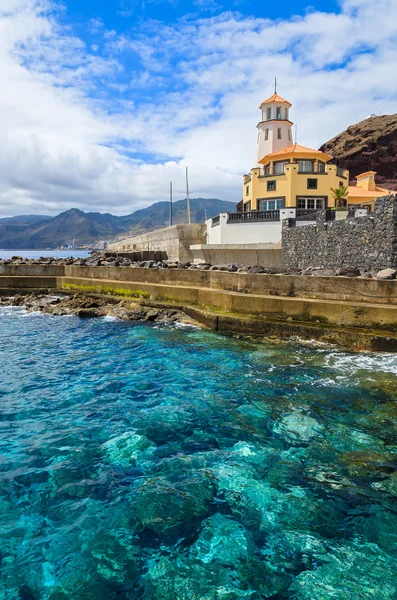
pixel 306 214
pixel 310 214
pixel 340 172
pixel 253 215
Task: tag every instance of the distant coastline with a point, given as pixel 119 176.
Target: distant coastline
pixel 4 254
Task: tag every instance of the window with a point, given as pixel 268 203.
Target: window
pixel 266 134
pixel 289 134
pixel 247 206
pixel 269 113
pixel 321 167
pixel 266 169
pixel 305 166
pixel 278 167
pixel 311 203
pixel 341 184
pixel 274 204
pixel 312 184
pixel 271 186
pixel 278 112
pixel 286 114
pixel 247 190
pixel 279 133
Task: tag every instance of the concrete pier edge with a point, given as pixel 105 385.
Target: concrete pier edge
pixel 363 318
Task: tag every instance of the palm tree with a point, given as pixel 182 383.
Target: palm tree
pixel 340 195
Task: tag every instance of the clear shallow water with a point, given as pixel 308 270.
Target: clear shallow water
pixel 44 253
pixel 147 462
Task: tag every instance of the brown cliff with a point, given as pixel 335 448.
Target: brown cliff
pixel 370 145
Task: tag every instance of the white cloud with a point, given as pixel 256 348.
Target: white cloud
pixel 71 120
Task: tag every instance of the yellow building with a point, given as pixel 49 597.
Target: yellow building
pixel 289 175
pixel 366 190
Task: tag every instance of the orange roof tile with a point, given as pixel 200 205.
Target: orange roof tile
pixel 275 98
pixel 294 149
pixel 355 191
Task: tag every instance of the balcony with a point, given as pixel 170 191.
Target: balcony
pixel 253 216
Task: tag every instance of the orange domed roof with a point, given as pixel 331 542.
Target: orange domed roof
pixel 275 98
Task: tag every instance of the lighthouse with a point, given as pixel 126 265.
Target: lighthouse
pixel 274 128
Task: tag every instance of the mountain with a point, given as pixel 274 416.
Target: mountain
pixel 25 219
pixel 157 215
pixel 370 145
pixel 29 232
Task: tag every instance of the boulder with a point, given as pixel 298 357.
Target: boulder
pixel 387 274
pixel 222 540
pixel 348 272
pixel 256 269
pixel 324 273
pixel 277 270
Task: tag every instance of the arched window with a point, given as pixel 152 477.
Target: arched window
pixel 266 134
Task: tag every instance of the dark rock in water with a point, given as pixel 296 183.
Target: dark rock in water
pixel 151 315
pixel 162 506
pixel 87 313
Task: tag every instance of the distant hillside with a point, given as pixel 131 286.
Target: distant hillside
pixel 25 219
pixel 40 232
pixel 370 145
pixel 157 215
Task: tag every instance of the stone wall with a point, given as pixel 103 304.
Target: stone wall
pixel 368 243
pixel 174 242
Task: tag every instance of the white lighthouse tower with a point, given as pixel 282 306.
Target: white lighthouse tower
pixel 274 130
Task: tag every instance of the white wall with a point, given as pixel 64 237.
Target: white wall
pixel 257 232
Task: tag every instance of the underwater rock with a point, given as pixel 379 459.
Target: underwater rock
pixel 186 579
pixel 378 526
pixel 259 506
pixel 294 550
pixel 128 449
pixel 297 427
pixel 349 439
pixel 353 572
pixel 221 540
pixel 388 485
pixel 163 505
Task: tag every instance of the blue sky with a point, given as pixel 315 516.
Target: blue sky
pixel 106 102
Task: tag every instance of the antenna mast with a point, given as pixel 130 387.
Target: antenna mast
pixel 187 196
pixel 275 85
pixel 170 203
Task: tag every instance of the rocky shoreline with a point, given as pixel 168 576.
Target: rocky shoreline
pixel 112 259
pixel 86 306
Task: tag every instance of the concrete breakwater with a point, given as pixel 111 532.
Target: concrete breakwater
pixel 353 312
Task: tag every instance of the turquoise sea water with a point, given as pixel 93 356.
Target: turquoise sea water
pixel 169 463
